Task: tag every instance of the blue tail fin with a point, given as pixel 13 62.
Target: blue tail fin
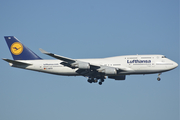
pixel 18 50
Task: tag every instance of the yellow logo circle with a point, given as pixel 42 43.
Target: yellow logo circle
pixel 16 48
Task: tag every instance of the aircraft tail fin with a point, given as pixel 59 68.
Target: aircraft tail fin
pixel 20 51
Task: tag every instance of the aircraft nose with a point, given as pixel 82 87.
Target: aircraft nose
pixel 175 64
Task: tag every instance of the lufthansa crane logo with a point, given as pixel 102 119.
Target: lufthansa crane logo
pixel 16 48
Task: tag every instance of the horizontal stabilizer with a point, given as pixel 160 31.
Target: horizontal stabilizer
pixel 16 62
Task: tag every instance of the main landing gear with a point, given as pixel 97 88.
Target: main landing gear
pixel 159 77
pixel 100 82
pixel 95 80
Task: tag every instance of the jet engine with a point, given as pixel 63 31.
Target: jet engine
pixel 81 65
pixel 110 71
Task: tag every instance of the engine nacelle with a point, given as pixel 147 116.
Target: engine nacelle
pixel 110 71
pixel 81 65
pixel 120 77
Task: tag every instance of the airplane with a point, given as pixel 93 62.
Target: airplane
pixel 96 70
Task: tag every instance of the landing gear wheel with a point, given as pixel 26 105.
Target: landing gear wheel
pixel 100 83
pixel 90 81
pixel 158 78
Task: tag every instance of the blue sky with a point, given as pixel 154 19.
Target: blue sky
pixel 90 29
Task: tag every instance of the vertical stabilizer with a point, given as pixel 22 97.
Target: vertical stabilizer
pixel 18 50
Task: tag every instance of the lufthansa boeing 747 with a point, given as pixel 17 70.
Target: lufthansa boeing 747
pixel 96 70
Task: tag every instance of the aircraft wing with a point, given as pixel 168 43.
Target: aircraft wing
pixel 70 62
pixel 65 59
pixel 85 68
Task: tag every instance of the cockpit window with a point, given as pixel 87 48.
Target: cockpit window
pixel 163 56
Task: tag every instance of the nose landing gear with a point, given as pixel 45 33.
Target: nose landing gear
pixel 159 77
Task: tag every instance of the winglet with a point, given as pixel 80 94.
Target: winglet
pixel 43 51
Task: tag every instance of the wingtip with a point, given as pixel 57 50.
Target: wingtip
pixel 43 51
pixel 4 59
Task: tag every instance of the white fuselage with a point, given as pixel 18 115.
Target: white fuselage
pixel 131 64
